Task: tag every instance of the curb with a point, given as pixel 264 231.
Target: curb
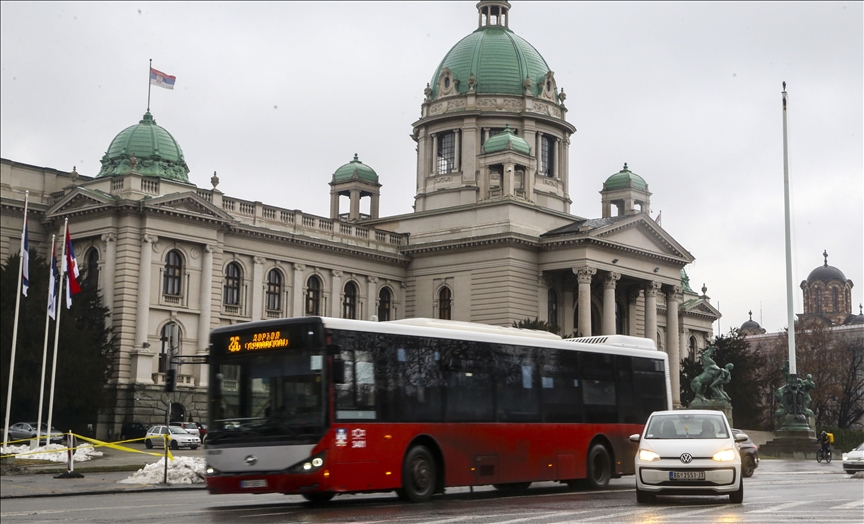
pixel 113 491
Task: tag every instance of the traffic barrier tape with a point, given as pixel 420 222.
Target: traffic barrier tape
pixel 114 445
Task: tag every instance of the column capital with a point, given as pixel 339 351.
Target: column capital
pixel 259 260
pixel 109 237
pixel 651 288
pixel 634 294
pixel 209 248
pixel 610 279
pixel 337 273
pixel 372 280
pixel 149 238
pixel 299 267
pixel 675 293
pixel 584 274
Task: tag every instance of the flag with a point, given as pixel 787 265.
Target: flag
pixel 25 265
pixel 658 217
pixel 158 78
pixel 72 287
pixel 52 287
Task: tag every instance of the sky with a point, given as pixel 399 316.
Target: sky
pixel 274 97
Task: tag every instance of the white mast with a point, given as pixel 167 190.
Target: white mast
pixel 789 300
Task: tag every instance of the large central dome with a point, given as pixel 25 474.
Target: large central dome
pixel 499 60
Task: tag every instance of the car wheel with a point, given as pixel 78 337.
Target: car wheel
pixel 175 445
pixel 512 487
pixel 643 497
pixel 748 466
pixel 148 444
pixel 418 475
pixel 318 498
pixel 599 467
pixel 737 497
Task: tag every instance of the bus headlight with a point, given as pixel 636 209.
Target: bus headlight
pixel 309 465
pixel 724 456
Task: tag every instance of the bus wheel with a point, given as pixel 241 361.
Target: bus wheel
pixel 512 486
pixel 599 467
pixel 418 475
pixel 318 498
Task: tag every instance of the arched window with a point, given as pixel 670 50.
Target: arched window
pixel 818 300
pixel 313 296
pixel 445 301
pixel 173 273
pixel 384 299
pixel 835 299
pixel 692 348
pixel 274 290
pixel 552 307
pixel 92 275
pixel 231 292
pixel 170 338
pixel 349 305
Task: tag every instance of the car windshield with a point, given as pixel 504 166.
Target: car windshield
pixel 860 448
pixel 177 431
pixel 686 426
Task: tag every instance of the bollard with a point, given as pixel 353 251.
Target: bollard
pixel 70 461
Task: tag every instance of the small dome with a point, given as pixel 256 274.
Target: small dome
pixel 625 178
pixel 751 326
pixel 856 320
pixel 154 150
pixel 506 140
pixel 364 172
pixel 826 273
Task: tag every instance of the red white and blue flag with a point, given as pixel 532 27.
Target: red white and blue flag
pixel 72 287
pixel 158 78
pixel 52 287
pixel 25 267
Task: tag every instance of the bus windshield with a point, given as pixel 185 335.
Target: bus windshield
pixel 273 397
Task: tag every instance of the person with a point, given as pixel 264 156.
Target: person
pixel 667 430
pixel 707 430
pixel 825 442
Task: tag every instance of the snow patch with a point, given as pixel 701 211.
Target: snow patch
pixel 51 452
pixel 181 470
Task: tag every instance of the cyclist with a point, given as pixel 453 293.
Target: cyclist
pixel 825 443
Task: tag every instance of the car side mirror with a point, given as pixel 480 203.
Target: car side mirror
pixel 635 437
pixel 741 437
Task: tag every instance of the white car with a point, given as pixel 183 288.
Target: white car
pixel 854 460
pixel 688 452
pixel 177 437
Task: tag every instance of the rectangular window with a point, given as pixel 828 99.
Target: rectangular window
pixel 446 152
pixel 355 399
pixel 518 394
pixel 547 156
pixel 470 383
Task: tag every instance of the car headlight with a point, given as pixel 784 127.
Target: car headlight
pixel 647 455
pixel 724 456
pixel 309 465
pixel 845 457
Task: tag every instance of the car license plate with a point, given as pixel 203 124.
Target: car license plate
pixel 686 475
pixel 257 483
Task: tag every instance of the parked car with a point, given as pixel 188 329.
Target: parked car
pixel 132 430
pixel 27 431
pixel 749 454
pixel 688 452
pixel 852 461
pixel 191 427
pixel 178 437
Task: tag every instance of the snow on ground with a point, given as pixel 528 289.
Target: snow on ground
pixel 51 452
pixel 181 470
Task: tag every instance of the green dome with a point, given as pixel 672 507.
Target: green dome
pixel 506 140
pixel 625 178
pixel 363 171
pixel 155 150
pixel 499 60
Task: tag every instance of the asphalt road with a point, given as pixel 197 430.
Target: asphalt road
pixel 780 491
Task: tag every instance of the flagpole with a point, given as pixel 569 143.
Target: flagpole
pixel 61 270
pixel 51 287
pixel 148 84
pixel 790 307
pixel 15 325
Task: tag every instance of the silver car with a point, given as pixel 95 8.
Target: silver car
pixel 177 437
pixel 27 431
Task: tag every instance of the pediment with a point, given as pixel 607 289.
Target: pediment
pixel 188 204
pixel 80 200
pixel 701 306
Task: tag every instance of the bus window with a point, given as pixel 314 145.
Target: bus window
pixel 561 390
pixel 415 394
pixel 624 390
pixel 355 398
pixel 649 384
pixel 518 398
pixel 598 388
pixel 469 381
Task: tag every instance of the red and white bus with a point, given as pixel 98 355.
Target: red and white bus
pixel 323 406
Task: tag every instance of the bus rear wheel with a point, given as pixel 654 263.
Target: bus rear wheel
pixel 599 467
pixel 318 498
pixel 418 475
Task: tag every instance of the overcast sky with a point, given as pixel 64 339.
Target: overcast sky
pixel 276 96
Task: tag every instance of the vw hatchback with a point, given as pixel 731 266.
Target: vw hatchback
pixel 688 452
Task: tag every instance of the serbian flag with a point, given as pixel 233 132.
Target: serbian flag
pixel 52 287
pixel 72 287
pixel 25 265
pixel 158 78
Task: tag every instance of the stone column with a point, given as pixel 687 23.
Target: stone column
pixel 565 173
pixel 556 163
pixel 538 150
pixel 673 298
pixel 372 296
pixel 373 206
pixel 258 288
pixel 206 305
pixel 457 159
pixel 421 161
pixel 336 286
pixel 109 271
pixel 299 284
pixel 334 204
pixel 142 316
pixel 434 153
pixel 354 198
pixel 651 290
pixel 609 282
pixel 584 275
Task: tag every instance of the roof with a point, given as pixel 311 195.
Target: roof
pixel 625 178
pixel 581 226
pixel 506 140
pixel 155 151
pixel 346 171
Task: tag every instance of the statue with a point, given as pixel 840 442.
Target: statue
pixel 710 373
pixel 722 379
pixel 806 387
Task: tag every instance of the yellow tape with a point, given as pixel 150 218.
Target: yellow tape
pixel 114 445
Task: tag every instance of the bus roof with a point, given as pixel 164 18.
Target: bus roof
pixel 476 328
pixel 623 341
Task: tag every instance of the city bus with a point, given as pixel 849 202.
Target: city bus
pixel 323 406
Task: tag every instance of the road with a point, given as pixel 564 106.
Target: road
pixel 780 491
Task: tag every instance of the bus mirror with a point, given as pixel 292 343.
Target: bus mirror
pixel 338 371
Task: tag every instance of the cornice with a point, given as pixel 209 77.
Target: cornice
pixel 558 244
pixel 514 239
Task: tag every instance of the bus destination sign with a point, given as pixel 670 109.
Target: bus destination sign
pixel 256 341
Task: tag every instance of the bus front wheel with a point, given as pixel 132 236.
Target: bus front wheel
pixel 599 467
pixel 418 475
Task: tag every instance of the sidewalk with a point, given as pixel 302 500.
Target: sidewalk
pixel 101 475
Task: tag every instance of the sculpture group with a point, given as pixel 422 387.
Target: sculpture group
pixel 709 384
pixel 793 398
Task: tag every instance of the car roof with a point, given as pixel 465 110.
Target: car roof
pixel 689 412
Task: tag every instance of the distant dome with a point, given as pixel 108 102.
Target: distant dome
pixel 346 172
pixel 751 327
pixel 625 178
pixel 506 140
pixel 155 153
pixel 826 273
